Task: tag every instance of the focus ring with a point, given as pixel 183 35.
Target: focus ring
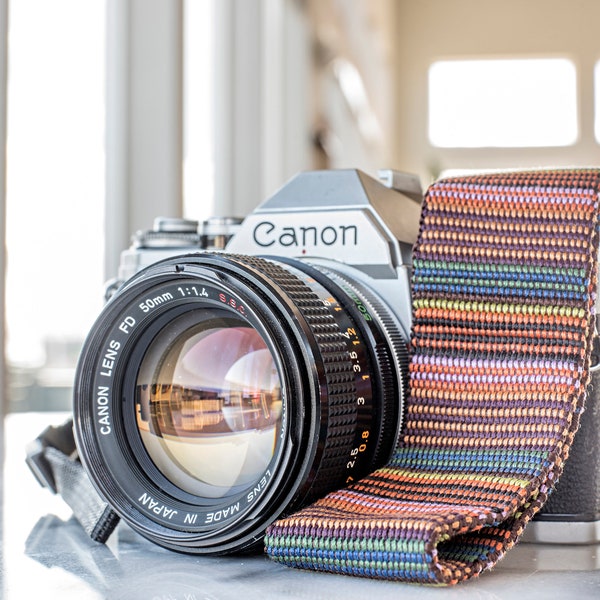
pixel 391 364
pixel 341 417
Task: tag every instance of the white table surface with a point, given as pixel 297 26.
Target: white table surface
pixel 45 554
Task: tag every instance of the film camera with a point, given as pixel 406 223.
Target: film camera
pixel 220 390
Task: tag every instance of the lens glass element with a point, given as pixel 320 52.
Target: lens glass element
pixel 209 404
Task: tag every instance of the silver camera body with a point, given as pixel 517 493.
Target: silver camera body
pixel 342 220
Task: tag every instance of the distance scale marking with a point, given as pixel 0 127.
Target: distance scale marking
pixel 358 456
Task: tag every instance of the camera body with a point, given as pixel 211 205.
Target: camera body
pixel 344 218
pixel 572 513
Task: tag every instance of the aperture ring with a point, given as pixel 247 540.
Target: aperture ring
pixel 393 358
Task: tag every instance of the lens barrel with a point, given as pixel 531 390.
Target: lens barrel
pixel 217 392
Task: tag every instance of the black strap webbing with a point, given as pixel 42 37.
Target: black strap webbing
pixel 52 457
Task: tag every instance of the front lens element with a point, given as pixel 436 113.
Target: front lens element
pixel 209 404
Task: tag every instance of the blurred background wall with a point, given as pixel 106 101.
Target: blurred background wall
pixel 125 109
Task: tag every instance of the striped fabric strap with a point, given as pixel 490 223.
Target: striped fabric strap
pixel 504 287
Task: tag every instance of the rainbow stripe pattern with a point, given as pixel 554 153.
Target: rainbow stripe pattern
pixel 504 288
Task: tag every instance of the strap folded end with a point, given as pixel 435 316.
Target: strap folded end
pixel 52 458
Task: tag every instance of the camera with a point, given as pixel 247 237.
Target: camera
pixel 220 390
pixel 242 369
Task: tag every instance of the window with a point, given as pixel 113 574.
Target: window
pixel 55 193
pixel 198 166
pixel 503 103
pixel 597 101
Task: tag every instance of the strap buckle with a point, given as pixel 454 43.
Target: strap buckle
pixel 52 458
pixel 38 465
pixel 59 437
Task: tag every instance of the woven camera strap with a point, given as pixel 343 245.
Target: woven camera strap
pixel 504 291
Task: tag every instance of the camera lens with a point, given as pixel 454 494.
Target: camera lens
pixel 208 403
pixel 217 392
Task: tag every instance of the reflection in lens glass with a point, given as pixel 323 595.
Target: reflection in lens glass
pixel 209 404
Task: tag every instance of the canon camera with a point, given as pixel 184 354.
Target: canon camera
pixel 242 369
